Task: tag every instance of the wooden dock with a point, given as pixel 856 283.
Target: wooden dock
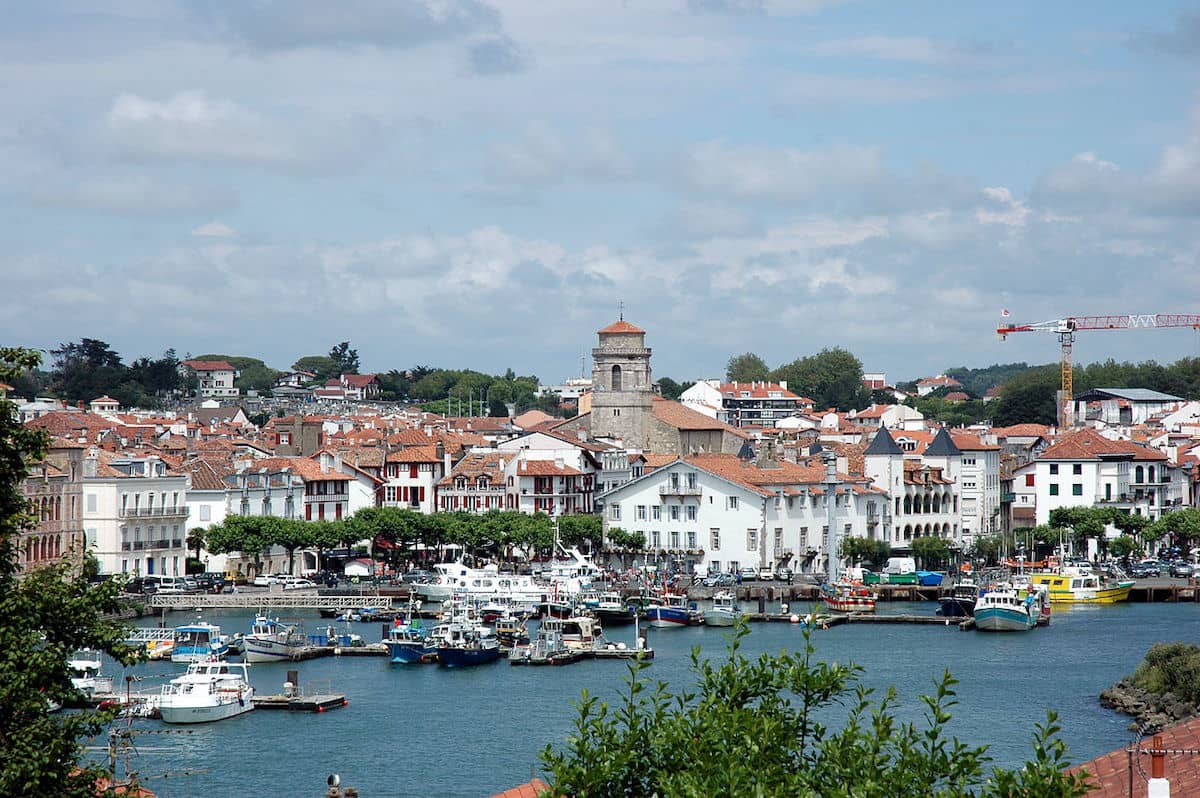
pixel 300 703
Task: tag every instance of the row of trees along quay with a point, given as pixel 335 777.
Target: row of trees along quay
pixel 396 534
pixel 1069 529
pixel 763 726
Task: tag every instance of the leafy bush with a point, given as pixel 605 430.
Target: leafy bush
pixel 1171 667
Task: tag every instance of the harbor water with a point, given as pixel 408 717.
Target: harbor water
pixel 425 730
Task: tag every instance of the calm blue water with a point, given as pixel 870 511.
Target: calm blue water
pixel 429 731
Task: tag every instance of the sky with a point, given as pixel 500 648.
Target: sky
pixel 480 183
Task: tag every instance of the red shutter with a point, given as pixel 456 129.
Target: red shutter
pixel 1029 480
pixel 339 510
pixel 412 471
pixel 308 511
pixel 405 493
pixel 421 495
pixel 321 511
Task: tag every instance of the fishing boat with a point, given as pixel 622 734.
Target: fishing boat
pixel 84 666
pixel 208 691
pixel 271 640
pixel 409 642
pixel 612 610
pixel 1073 586
pixel 670 610
pixel 579 633
pixel 466 644
pixel 1007 608
pixel 725 610
pixel 198 642
pixel 511 631
pixel 546 648
pixel 846 597
pixel 961 601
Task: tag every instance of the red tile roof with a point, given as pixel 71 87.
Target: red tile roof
pixel 530 789
pixel 545 468
pixel 208 365
pixel 621 326
pixel 415 454
pixel 359 380
pixel 1110 777
pixel 676 415
pixel 970 442
pixel 306 469
pixel 1087 444
pixel 756 390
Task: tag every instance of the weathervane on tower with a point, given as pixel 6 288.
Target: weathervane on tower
pixel 621 310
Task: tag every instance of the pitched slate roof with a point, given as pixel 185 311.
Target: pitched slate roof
pixel 942 446
pixel 883 444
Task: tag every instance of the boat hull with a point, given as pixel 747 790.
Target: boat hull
pixel 466 657
pixel 270 651
pixel 720 618
pixel 411 653
pixel 668 617
pixel 1003 619
pixel 190 654
pixel 614 616
pixel 953 607
pixel 230 706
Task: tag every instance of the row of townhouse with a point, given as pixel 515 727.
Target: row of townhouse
pixel 722 512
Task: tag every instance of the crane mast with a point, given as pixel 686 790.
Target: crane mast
pixel 1066 328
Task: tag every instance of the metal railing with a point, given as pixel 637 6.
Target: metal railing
pixel 152 512
pixel 678 490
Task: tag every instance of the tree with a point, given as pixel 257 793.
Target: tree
pixel 1028 397
pixel 1182 525
pixel 831 378
pixel 323 366
pixel 930 550
pixel 865 550
pixel 671 389
pixel 345 357
pixel 747 367
pixel 44 616
pixel 749 727
pixel 86 370
pixel 195 540
pixel 576 530
pixel 1124 546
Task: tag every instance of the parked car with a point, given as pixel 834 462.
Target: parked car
pixel 264 580
pixel 298 583
pixel 720 580
pixel 784 574
pixel 1159 568
pixel 1181 569
pixel 212 582
pixel 140 586
pixel 749 573
pixel 766 574
pixel 1140 570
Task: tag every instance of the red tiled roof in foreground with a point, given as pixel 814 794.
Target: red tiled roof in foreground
pixel 530 789
pixel 1109 774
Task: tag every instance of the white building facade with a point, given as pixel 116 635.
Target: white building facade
pixel 135 515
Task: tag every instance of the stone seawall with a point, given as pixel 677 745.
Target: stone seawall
pixel 1151 712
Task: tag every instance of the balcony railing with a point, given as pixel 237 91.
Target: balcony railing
pixel 153 512
pixel 328 497
pixel 1008 498
pixel 678 490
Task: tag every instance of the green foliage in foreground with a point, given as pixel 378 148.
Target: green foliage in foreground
pixel 1171 667
pixel 749 729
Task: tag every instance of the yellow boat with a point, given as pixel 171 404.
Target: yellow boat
pixel 1081 588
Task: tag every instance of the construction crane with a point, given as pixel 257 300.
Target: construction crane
pixel 1066 328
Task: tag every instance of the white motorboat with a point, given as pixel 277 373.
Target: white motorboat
pixel 208 691
pixel 480 583
pixel 1006 608
pixel 85 668
pixel 270 640
pixel 725 610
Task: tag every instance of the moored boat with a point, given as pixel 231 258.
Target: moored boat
pixel 961 601
pixel 410 643
pixel 844 597
pixel 209 691
pixel 467 644
pixel 85 668
pixel 578 633
pixel 198 642
pixel 724 611
pixel 670 610
pixel 1006 608
pixel 1071 586
pixel 271 640
pixel 612 610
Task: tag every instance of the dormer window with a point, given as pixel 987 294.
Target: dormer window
pixel 481 483
pixel 461 483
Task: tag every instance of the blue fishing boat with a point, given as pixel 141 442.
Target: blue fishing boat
pixel 670 610
pixel 467 644
pixel 961 601
pixel 410 643
pixel 198 642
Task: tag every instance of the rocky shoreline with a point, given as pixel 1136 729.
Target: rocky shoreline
pixel 1151 711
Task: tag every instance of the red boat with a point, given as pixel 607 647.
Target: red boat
pixel 844 597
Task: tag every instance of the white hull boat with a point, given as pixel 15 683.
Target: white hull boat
pixel 272 641
pixel 209 691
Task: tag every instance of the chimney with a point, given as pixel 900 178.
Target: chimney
pixel 783 384
pixel 90 462
pixel 558 463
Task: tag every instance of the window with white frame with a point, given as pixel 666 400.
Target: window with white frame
pixel 803 537
pixel 731 503
pixel 656 512
pixel 614 512
pixel 714 539
pixel 673 512
pixel 689 512
pixel 691 539
pixel 674 538
pixel 691 479
pixel 205 512
pixel 640 513
pixel 751 539
pixel 778 539
pixel 655 540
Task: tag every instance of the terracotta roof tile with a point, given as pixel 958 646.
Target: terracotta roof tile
pixel 1109 774
pixel 677 415
pixel 545 468
pixel 306 469
pixel 208 365
pixel 415 454
pixel 530 789
pixel 621 326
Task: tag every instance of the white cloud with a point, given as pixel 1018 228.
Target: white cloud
pixel 542 157
pixel 778 173
pixel 1002 208
pixel 132 194
pixel 214 230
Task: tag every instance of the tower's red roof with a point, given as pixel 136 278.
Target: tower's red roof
pixel 621 326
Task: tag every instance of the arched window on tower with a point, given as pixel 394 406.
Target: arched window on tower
pixel 616 378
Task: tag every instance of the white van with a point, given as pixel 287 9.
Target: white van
pixel 166 584
pixel 900 565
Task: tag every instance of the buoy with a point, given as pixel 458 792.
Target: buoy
pixel 795 618
pixel 320 709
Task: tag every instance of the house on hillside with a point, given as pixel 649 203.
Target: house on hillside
pixel 216 378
